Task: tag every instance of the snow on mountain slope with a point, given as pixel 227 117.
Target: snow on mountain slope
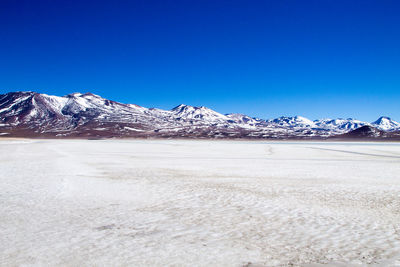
pixel 88 115
pixel 296 121
pixel 203 113
pixel 243 119
pixel 77 103
pixel 386 124
pixel 22 107
pixel 339 125
pixel 43 113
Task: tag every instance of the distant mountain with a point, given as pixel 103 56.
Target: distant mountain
pixel 371 133
pixel 386 124
pixel 339 125
pixel 292 122
pixel 186 112
pixel 236 118
pixel 30 114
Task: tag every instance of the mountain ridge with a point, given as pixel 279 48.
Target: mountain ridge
pixel 31 114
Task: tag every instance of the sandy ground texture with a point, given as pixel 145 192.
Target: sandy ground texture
pixel 198 203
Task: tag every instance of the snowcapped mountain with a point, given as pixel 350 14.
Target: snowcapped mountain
pixel 386 124
pixel 31 114
pixel 296 121
pixel 186 112
pixel 236 118
pixel 74 114
pixel 339 125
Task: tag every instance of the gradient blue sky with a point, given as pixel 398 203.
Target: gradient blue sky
pixel 318 59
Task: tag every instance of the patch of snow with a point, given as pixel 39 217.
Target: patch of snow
pixel 133 129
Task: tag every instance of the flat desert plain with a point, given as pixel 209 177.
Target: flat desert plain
pixel 198 203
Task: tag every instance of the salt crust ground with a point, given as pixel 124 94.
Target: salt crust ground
pixel 198 203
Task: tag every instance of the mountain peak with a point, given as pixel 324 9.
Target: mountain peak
pixel 33 114
pixel 386 124
pixel 91 94
pixel 296 121
pixel 181 106
pixel 382 118
pixel 189 112
pixel 87 94
pixel 76 94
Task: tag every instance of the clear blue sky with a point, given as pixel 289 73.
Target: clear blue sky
pixel 328 58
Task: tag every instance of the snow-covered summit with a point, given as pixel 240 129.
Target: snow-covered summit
pixel 386 124
pixel 297 121
pixel 189 112
pixel 77 114
pixel 243 119
pixel 340 125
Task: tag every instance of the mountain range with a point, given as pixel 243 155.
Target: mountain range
pixel 30 114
